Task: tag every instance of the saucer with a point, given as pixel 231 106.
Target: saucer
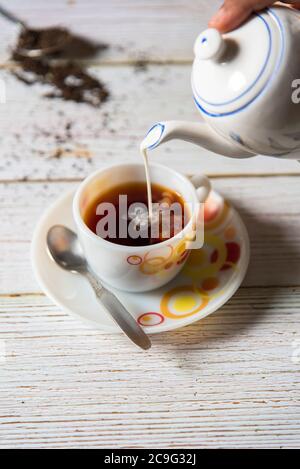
pixel 207 281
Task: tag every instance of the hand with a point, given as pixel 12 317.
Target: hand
pixel 234 12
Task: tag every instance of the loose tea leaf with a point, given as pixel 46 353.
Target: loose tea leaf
pixel 68 81
pixel 48 38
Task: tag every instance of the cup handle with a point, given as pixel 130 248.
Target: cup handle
pixel 202 185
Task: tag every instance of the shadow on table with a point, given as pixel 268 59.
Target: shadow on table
pixel 274 262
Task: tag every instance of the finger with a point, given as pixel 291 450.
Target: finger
pixel 292 4
pixel 233 13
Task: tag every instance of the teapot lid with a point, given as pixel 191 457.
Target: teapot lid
pixel 232 69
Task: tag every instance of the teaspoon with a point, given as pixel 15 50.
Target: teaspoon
pixel 61 39
pixel 65 249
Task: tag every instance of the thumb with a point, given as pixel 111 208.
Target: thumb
pixel 233 13
pixel 292 4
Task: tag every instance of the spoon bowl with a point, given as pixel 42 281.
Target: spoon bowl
pixel 66 251
pixel 61 38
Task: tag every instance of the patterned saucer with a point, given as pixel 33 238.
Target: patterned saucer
pixel 208 280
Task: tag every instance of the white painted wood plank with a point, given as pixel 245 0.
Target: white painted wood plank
pixel 231 380
pixel 269 206
pixel 156 30
pixel 33 129
pixel 227 381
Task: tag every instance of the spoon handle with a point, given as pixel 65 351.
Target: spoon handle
pixel 11 17
pixel 119 313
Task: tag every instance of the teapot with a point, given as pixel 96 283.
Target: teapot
pixel 246 85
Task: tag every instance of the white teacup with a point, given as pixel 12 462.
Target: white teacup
pixel 135 268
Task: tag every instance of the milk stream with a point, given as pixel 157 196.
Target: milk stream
pixel 150 141
pixel 148 181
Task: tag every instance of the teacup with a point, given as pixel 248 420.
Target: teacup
pixel 136 268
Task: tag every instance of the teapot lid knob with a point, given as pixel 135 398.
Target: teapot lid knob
pixel 209 44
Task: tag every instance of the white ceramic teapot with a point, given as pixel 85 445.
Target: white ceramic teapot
pixel 246 84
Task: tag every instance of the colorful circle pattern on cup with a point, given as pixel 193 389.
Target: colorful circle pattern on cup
pixel 181 302
pixel 134 260
pixel 206 273
pixel 151 319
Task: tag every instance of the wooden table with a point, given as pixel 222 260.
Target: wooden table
pixel 231 380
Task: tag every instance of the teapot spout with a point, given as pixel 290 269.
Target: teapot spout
pixel 200 134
